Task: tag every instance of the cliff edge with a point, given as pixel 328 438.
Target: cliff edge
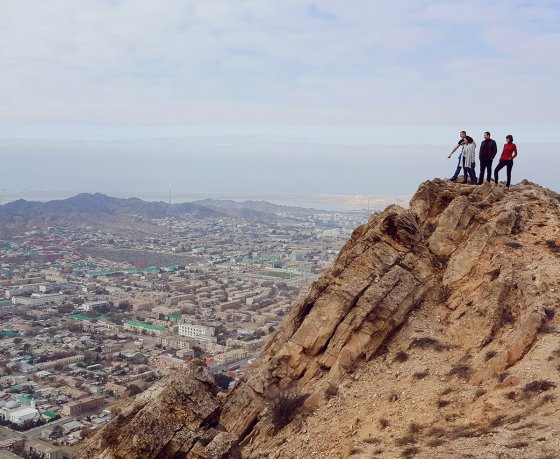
pixel 433 334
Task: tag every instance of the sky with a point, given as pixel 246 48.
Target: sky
pixel 296 96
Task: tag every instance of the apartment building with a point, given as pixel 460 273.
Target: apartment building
pixel 173 343
pixel 197 331
pixel 82 406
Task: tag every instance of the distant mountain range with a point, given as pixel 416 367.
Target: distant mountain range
pixel 99 210
pixel 258 208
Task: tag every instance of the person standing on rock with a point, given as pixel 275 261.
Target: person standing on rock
pixel 509 153
pixel 469 155
pixel 462 134
pixel 488 150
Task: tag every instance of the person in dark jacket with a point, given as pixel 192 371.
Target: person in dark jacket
pixel 487 152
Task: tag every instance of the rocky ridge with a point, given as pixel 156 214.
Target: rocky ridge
pixel 433 334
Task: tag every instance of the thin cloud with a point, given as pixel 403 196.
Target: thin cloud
pixel 280 61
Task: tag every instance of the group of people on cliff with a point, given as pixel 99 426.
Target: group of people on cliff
pixel 486 155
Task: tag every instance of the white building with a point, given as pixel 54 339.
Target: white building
pixel 90 306
pixel 16 414
pixel 196 331
pixel 39 299
pixel 22 415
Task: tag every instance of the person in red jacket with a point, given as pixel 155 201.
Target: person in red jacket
pixel 506 160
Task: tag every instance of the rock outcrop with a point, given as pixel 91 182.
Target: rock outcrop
pixel 433 334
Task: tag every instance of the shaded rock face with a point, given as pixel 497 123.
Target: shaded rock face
pixel 170 419
pixel 478 264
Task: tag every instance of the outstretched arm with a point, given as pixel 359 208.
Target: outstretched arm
pixel 454 150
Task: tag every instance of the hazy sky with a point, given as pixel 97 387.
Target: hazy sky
pixel 246 89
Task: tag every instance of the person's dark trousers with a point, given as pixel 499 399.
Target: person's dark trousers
pixel 503 163
pixel 485 164
pixel 457 171
pixel 470 172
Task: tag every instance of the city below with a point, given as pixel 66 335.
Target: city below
pixel 94 311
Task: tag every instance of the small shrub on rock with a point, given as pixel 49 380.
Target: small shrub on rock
pixel 331 391
pixel 420 374
pixel 383 423
pixel 410 452
pixel 441 403
pixel 537 387
pixel 502 376
pixel 406 440
pixel 285 408
pixel 462 371
pixel 401 357
pixel 426 342
pixel 553 246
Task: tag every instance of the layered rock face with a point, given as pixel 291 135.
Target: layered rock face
pixel 432 335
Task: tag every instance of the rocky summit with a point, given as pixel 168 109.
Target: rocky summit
pixel 435 334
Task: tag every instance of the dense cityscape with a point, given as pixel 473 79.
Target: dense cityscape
pixel 93 316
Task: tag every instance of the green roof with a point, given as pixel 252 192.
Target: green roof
pixel 9 333
pixel 150 270
pixel 141 270
pixel 49 414
pixel 6 303
pixel 25 399
pixel 84 317
pixel 99 273
pixel 173 316
pixel 135 323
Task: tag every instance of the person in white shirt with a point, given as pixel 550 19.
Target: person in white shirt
pixel 469 158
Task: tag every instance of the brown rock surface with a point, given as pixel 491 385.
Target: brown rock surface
pixel 434 334
pixel 172 416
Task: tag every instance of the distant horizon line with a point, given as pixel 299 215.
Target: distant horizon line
pixel 319 201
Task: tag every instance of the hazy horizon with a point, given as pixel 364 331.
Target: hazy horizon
pixel 237 167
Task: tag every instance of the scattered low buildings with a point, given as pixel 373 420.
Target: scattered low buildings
pixel 88 314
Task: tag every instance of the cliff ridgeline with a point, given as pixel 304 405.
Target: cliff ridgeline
pixel 433 335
